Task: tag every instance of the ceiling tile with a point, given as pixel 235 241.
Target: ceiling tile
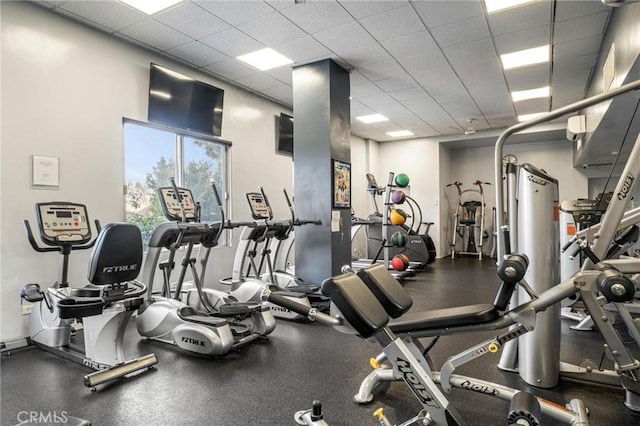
pixel 424 62
pixel 363 56
pixel 566 9
pixel 528 77
pixel 302 50
pixel 394 84
pixel 582 27
pixel 496 90
pixel 461 32
pixel 578 47
pixel 409 45
pixel 109 14
pixel 236 12
pixel 362 9
pixel 271 29
pixel 571 80
pixel 283 93
pixel 408 93
pixel 284 74
pixel 232 42
pixel 470 52
pixel 393 23
pixel 232 69
pixel 437 80
pixel 486 72
pixel 362 90
pixel 575 62
pixel 156 34
pixel 492 108
pixel 191 20
pixel 383 70
pixel 532 106
pixel 198 54
pixel 422 107
pixel 520 18
pixel 374 100
pixel 438 13
pixel 344 37
pixel 520 40
pixel 86 21
pixel 356 78
pixel 317 15
pixel 259 81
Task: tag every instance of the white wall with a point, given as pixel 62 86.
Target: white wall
pixel 469 165
pixel 419 159
pixel 66 89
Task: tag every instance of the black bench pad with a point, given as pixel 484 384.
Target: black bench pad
pixel 445 318
pixel 356 303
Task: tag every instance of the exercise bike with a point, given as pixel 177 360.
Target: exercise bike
pixel 198 320
pixel 104 307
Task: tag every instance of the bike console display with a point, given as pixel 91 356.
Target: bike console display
pixel 171 204
pixel 63 223
pixel 258 206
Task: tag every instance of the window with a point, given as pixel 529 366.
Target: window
pixel 152 155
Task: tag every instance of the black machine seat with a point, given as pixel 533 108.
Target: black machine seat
pixel 356 303
pixel 117 255
pixel 396 301
pixel 116 259
pixel 445 318
pixel 389 292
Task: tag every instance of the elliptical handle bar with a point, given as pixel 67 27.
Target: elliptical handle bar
pixel 178 197
pixel 266 201
pixel 220 207
pixel 36 247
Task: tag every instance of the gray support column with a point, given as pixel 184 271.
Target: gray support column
pixel 321 134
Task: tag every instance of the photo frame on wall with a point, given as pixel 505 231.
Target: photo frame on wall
pixel 341 185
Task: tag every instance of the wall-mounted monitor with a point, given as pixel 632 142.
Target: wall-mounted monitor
pixel 284 139
pixel 180 101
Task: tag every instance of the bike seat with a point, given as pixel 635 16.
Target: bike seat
pixel 79 307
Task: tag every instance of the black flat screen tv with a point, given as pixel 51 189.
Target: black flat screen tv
pixel 180 101
pixel 285 135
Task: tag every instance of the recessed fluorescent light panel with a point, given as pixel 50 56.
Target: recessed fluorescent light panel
pixel 526 57
pixel 527 117
pixel 400 133
pixel 265 59
pixel 498 5
pixel 372 118
pixel 150 6
pixel 523 95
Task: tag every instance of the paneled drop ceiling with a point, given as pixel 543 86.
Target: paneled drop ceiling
pixel 428 66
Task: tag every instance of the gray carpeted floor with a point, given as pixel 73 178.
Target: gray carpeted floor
pixel 267 382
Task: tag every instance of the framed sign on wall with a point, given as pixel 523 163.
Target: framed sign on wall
pixel 341 185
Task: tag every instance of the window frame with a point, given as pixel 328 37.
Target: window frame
pixel 179 141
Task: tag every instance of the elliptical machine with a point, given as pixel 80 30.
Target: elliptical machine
pixel 103 308
pixel 246 281
pixel 279 246
pixel 199 320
